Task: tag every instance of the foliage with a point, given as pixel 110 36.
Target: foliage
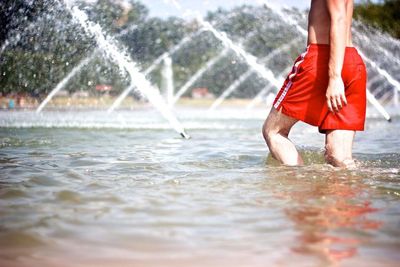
pixel 384 15
pixel 46 54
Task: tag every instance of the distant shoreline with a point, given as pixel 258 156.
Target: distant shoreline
pixel 104 102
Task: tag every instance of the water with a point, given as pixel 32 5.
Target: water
pixel 371 98
pixel 76 70
pixel 65 80
pixel 228 91
pixel 84 189
pixel 111 50
pixel 152 67
pixel 198 74
pixel 250 59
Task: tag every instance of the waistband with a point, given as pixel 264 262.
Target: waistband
pixel 321 53
pixel 326 48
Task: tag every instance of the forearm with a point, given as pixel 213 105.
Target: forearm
pixel 337 37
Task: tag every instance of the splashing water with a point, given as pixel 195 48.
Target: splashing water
pixel 168 79
pixel 76 70
pixel 198 74
pixel 370 97
pixel 265 90
pixel 152 67
pixel 126 64
pixel 64 81
pixel 247 74
pixel 250 59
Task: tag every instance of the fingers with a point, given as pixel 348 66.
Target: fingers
pixel 344 99
pixel 328 102
pixel 336 103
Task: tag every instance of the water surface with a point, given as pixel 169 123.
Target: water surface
pixel 86 189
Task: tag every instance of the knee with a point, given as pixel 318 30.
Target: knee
pixel 337 159
pixel 270 134
pixel 267 133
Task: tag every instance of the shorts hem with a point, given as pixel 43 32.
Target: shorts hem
pixel 347 128
pixel 296 116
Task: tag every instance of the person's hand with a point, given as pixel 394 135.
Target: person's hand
pixel 335 97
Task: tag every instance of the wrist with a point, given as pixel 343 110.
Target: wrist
pixel 335 72
pixel 335 75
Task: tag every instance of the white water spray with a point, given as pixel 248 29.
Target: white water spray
pixel 250 59
pixel 247 74
pixel 155 63
pixel 168 80
pixel 125 63
pixel 258 98
pixel 64 81
pixel 384 73
pixel 76 70
pixel 198 74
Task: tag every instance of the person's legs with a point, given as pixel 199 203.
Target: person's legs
pixel 338 148
pixel 276 130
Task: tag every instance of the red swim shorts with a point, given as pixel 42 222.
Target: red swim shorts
pixel 303 93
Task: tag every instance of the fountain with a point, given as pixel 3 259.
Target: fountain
pixel 227 92
pixel 64 81
pixel 111 51
pixel 167 85
pixel 75 71
pixel 198 74
pixel 266 89
pixel 249 58
pixel 259 97
pixel 157 61
pixel 266 73
pixel 371 98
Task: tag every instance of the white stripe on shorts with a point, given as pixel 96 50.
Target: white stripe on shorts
pixel 291 76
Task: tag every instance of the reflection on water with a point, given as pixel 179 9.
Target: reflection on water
pixel 79 196
pixel 327 207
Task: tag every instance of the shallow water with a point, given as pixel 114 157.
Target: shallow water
pixel 86 189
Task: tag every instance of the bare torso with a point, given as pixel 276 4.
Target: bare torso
pixel 319 22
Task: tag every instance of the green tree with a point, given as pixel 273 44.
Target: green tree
pixel 384 15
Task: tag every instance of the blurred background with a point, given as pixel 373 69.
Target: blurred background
pixel 40 46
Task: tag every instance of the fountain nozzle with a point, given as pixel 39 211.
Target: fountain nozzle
pixel 185 135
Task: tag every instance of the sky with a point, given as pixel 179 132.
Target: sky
pixel 166 8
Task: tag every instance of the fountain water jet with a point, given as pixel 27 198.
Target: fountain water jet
pixel 168 79
pixel 382 72
pixel 371 98
pixel 126 64
pixel 198 74
pixel 230 89
pixel 383 51
pixel 212 62
pixel 249 59
pixel 266 89
pixel 258 98
pixel 64 81
pixel 76 70
pixel 247 74
pixel 152 67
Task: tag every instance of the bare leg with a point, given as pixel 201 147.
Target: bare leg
pixel 338 148
pixel 276 131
